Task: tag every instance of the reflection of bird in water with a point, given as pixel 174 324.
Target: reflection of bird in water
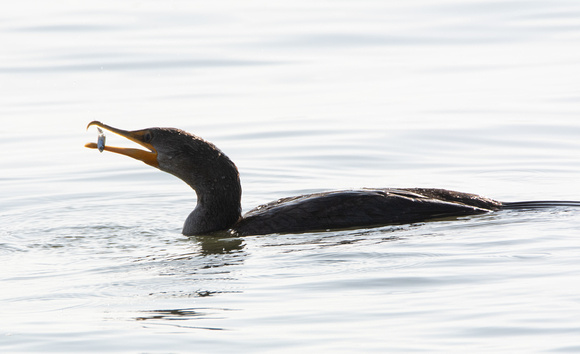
pixel 215 179
pixel 220 245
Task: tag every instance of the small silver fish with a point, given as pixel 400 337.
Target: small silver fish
pixel 101 141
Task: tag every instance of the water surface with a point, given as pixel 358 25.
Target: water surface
pixel 477 96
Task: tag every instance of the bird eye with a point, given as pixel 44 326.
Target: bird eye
pixel 147 137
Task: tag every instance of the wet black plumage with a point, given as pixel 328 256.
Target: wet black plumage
pixel 360 208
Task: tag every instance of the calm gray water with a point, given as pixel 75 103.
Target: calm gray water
pixel 477 96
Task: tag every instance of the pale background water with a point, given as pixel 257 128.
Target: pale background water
pixel 477 96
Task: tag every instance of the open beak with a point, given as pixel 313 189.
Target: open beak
pixel 138 136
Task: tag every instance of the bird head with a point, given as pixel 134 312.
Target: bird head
pixel 197 162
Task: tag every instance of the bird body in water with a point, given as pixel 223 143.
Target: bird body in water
pixel 216 181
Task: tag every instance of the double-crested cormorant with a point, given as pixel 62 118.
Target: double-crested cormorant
pixel 216 181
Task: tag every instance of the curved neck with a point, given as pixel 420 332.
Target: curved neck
pixel 218 205
pixel 212 175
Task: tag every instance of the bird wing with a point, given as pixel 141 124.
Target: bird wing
pixel 358 208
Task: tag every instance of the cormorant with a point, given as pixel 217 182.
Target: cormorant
pixel 216 181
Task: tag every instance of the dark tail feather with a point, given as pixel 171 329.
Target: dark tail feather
pixel 540 204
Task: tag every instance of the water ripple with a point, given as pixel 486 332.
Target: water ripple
pixel 169 64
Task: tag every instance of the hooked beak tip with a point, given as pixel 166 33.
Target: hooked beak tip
pixel 95 122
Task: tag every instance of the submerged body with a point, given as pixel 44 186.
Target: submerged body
pixel 215 179
pixel 360 208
